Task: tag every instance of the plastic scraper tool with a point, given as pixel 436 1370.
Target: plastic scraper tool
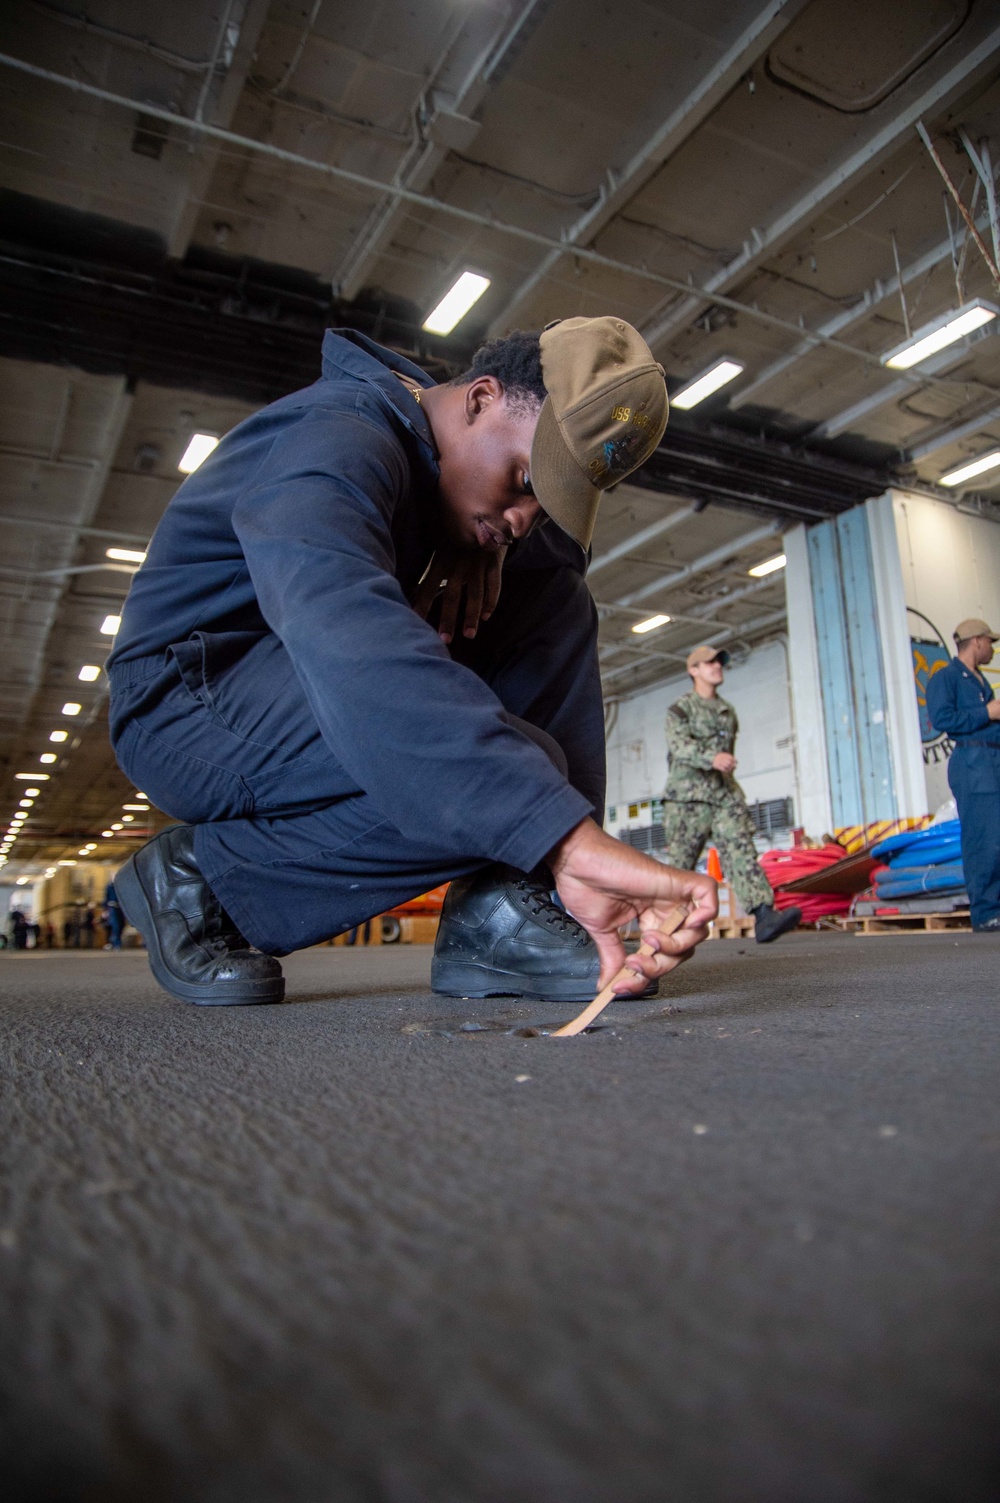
pixel 673 921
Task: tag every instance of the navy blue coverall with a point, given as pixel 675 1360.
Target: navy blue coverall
pixel 956 702
pixel 272 685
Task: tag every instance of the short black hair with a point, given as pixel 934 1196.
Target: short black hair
pixel 516 362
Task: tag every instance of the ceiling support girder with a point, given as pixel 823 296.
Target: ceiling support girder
pixel 870 300
pixel 468 216
pixel 765 242
pixel 679 125
pixel 746 628
pixel 699 565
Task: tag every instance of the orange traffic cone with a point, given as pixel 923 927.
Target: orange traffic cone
pixel 714 864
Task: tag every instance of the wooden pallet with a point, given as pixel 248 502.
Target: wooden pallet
pixel 732 928
pixel 909 923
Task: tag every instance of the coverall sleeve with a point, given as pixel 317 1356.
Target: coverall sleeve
pixel 422 735
pixel 682 745
pixel 947 714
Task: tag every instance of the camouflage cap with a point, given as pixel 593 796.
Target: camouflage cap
pixel 604 414
pixel 707 654
pixel 974 627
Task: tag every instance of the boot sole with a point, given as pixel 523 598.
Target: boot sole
pixel 135 905
pixel 455 978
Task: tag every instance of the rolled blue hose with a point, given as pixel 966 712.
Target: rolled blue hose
pixel 894 843
pixel 906 882
pixel 934 853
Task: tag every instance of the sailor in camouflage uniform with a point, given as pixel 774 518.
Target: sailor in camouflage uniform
pixel 703 801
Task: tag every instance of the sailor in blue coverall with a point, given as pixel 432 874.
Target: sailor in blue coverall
pixel 331 752
pixel 960 703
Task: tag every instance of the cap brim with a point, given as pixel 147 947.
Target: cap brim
pixel 563 490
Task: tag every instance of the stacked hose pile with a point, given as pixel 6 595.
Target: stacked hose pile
pixel 781 867
pixel 929 862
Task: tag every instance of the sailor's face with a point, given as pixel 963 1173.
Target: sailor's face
pixel 984 650
pixel 709 673
pixel 485 484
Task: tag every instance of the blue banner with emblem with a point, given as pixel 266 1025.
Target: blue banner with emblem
pixel 928 658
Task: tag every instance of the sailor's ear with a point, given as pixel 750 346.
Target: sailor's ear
pixel 480 395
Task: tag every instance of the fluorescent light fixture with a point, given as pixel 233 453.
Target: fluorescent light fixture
pixel 126 555
pixel 939 333
pixel 719 374
pixel 65 863
pixel 58 735
pixel 974 467
pixel 142 796
pixel 142 808
pixel 128 819
pixel 25 803
pixel 20 882
pixel 650 625
pixel 107 834
pixel 110 625
pixel 456 303
pixel 200 446
pixel 31 777
pixel 117 827
pixel 769 566
pixel 32 792
pixel 89 673
pixel 48 757
pixel 91 845
pixel 85 851
pixel 71 708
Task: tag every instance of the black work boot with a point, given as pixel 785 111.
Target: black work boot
pixel 770 924
pixel 501 935
pixel 195 950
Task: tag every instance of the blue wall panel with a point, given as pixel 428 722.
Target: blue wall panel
pixel 850 667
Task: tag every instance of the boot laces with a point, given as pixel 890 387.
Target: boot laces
pixel 537 896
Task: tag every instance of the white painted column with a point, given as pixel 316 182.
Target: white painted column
pixel 902 716
pixel 813 806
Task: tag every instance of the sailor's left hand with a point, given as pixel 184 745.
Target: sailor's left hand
pixel 467 583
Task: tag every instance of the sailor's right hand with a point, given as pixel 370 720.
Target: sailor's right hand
pixel 607 885
pixel 724 762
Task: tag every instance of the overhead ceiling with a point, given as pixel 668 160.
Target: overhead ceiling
pixel 191 192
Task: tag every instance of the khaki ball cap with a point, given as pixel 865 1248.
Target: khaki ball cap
pixel 973 627
pixel 604 414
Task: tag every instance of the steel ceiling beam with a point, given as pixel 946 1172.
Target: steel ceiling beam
pixel 952 435
pixel 637 539
pixel 606 608
pixel 849 416
pixel 699 565
pixel 869 301
pixel 621 187
pixel 745 629
pixel 360 259
pixel 454 211
pixel 766 242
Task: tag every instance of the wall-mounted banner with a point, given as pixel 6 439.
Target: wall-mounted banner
pixel 930 655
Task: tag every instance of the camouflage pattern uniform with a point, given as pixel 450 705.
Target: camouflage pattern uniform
pixel 707 807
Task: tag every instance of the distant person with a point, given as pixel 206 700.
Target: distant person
pixel 703 801
pixel 87 927
pixel 113 917
pixel 19 929
pixel 960 703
